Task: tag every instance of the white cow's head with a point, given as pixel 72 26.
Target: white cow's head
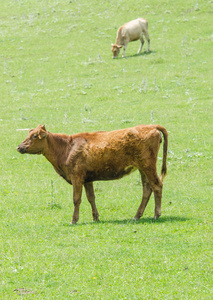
pixel 115 50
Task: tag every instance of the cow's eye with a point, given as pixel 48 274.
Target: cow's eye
pixel 35 136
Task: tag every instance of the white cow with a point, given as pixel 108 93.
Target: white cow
pixel 129 32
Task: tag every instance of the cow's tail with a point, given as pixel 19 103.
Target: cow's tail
pixel 165 149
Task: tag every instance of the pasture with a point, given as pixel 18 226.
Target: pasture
pixel 56 68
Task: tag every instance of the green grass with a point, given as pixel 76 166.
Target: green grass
pixel 56 68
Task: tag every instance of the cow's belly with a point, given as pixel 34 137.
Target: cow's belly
pixel 108 173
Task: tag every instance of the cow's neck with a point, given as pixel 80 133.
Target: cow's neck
pixel 56 148
pixel 119 39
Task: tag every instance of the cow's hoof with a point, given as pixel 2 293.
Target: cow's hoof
pixel 95 217
pixel 73 222
pixel 96 220
pixel 156 217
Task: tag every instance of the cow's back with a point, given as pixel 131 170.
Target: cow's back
pixel 132 30
pixel 116 138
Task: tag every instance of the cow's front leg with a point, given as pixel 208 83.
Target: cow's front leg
pixel 124 53
pixel 91 198
pixel 77 192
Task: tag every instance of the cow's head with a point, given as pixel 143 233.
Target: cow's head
pixel 34 142
pixel 115 50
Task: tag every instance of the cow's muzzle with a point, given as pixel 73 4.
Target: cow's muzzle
pixel 21 149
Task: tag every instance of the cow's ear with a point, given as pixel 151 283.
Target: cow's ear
pixel 42 132
pixel 119 46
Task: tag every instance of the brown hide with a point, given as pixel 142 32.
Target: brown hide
pixel 86 157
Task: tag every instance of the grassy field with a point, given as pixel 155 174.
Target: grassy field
pixel 56 68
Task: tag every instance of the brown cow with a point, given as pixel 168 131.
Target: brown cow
pixel 129 32
pixel 86 157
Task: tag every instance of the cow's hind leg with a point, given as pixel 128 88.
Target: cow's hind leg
pixel 147 191
pixel 148 40
pixel 157 187
pixel 91 198
pixel 141 45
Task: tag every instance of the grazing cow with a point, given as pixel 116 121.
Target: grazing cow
pixel 86 157
pixel 130 32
